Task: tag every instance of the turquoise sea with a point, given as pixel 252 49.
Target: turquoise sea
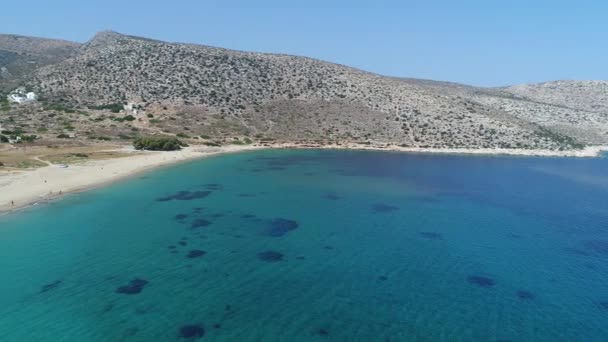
pixel 307 245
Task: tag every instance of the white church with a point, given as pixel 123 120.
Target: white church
pixel 20 95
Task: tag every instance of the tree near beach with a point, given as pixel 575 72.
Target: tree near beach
pixel 156 143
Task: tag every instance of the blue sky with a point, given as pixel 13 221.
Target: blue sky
pixel 489 43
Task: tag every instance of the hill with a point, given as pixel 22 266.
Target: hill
pixel 21 55
pixel 214 93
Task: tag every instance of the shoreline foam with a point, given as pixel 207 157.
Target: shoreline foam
pixel 21 189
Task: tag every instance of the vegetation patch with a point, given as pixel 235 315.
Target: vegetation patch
pixel 158 143
pixel 112 107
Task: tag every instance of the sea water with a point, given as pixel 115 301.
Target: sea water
pixel 306 245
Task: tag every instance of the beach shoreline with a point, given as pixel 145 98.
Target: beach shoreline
pixel 22 189
pixel 26 188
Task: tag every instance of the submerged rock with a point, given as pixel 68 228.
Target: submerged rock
pixel 50 286
pixel 383 208
pixel 192 331
pixel 526 295
pixel 481 281
pixel 280 226
pixel 213 186
pixel 195 253
pixel 180 217
pixel 198 223
pixel 184 196
pixel 270 256
pixel 431 235
pixel 332 196
pixel 135 286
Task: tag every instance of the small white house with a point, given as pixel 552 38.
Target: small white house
pixel 15 98
pixel 14 141
pixel 20 95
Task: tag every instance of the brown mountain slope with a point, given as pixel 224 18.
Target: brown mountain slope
pixel 199 90
pixel 21 55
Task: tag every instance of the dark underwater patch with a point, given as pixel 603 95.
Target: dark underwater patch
pixel 184 196
pixel 525 295
pixel 213 186
pixel 182 243
pixel 191 331
pixel 481 281
pixel 247 216
pixel 332 196
pixel 431 235
pixel 50 286
pixel 135 286
pixel 246 195
pixel 603 305
pixel 383 208
pixel 383 278
pixel 270 256
pixel 198 223
pixel 280 226
pixel 323 332
pixel 180 217
pixel 597 247
pixel 196 253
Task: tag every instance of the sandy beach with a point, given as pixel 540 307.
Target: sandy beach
pixel 22 188
pixel 19 189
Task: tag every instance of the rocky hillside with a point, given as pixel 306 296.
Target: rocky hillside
pixel 199 91
pixel 581 95
pixel 21 55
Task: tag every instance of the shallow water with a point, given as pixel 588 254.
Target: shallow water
pixel 315 246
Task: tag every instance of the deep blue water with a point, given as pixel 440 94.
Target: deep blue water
pixel 317 246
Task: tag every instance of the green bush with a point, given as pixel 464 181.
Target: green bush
pixel 3 139
pixel 59 107
pixel 29 138
pixel 157 143
pixel 113 107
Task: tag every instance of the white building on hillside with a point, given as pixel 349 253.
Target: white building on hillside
pixel 20 95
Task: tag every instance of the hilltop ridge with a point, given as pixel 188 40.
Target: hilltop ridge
pixel 196 90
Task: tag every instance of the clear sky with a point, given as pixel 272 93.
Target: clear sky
pixel 480 42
